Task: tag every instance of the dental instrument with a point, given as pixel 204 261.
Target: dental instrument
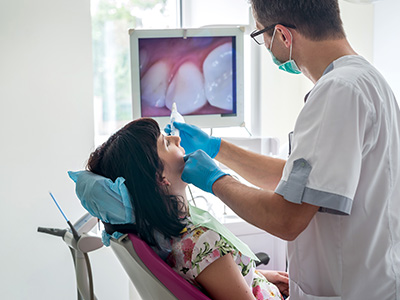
pixel 74 232
pixel 175 117
pixel 80 243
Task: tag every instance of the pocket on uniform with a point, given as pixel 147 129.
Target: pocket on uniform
pixel 296 293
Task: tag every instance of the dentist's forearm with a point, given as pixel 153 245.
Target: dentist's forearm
pixel 261 170
pixel 264 208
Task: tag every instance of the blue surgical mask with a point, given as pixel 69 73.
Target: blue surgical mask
pixel 290 66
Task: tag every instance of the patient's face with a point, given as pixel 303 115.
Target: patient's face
pixel 171 153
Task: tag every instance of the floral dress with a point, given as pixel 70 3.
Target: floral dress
pixel 199 247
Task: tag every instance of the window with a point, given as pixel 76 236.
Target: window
pixel 111 20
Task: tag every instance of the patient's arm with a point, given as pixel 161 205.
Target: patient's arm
pixel 280 279
pixel 222 280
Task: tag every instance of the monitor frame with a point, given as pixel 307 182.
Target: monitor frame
pixel 202 121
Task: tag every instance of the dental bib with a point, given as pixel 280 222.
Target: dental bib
pixel 204 218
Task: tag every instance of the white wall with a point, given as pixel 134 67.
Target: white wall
pixel 198 13
pixel 46 129
pixel 387 42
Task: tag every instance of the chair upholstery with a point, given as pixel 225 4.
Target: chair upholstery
pixel 151 276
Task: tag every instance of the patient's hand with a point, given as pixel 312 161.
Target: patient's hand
pixel 280 279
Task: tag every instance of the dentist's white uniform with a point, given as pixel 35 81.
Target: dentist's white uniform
pixel 345 159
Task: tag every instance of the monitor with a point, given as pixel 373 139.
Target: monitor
pixel 200 69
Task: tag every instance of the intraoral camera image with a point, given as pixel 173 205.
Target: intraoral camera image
pixel 198 73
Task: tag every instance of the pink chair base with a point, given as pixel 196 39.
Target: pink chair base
pixel 178 286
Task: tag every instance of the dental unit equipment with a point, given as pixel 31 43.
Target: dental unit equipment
pixel 80 242
pixel 175 117
pixel 74 232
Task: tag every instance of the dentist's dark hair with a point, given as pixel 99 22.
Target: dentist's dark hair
pixel 315 19
pixel 131 153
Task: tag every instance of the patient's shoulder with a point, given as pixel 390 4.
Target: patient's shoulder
pixel 196 249
pixel 192 239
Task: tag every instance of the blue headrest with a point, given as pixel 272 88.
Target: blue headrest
pixel 104 199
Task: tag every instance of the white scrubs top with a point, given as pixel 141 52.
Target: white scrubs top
pixel 345 159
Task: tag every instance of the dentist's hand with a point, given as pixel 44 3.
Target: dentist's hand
pixel 201 170
pixel 193 138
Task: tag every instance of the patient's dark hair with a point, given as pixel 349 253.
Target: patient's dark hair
pixel 131 153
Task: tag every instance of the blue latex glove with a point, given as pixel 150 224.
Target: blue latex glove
pixel 201 170
pixel 193 138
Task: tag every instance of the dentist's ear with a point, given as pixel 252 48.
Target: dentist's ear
pixel 285 35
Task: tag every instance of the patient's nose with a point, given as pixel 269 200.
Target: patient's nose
pixel 175 139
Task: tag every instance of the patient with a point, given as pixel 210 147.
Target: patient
pixel 151 165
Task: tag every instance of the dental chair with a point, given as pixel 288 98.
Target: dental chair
pixel 110 202
pixel 151 276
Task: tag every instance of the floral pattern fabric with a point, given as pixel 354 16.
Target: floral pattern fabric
pixel 198 247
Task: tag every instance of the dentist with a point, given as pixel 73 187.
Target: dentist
pixel 337 197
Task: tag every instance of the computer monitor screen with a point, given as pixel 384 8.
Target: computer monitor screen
pixel 201 70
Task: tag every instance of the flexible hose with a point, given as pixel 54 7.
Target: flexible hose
pixel 90 276
pixel 73 258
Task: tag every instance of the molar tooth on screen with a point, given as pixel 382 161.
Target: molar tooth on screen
pixel 155 84
pixel 186 89
pixel 217 70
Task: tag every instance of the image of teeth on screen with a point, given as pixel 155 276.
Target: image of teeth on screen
pixel 198 73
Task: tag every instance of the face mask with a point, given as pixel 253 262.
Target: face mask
pixel 290 66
